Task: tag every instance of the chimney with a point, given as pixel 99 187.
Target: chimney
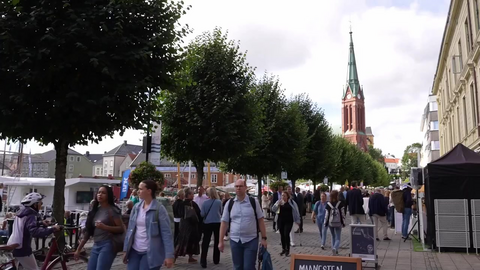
pixel 105 152
pixel 87 154
pixel 124 142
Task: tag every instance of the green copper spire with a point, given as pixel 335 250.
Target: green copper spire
pixel 352 76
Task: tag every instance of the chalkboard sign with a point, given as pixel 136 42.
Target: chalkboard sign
pixel 362 242
pixel 312 262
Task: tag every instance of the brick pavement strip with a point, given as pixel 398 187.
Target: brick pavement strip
pixel 393 255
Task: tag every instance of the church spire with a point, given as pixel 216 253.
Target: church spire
pixel 352 76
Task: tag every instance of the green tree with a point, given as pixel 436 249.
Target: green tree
pixel 74 72
pixel 281 133
pixel 145 171
pixel 317 155
pixel 410 158
pixel 210 119
pixel 376 154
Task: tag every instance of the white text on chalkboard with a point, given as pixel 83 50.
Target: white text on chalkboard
pixel 320 267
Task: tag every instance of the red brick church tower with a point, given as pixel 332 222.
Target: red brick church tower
pixel 353 105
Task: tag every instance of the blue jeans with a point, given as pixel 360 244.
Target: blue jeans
pixel 407 213
pixel 323 232
pixel 244 255
pixel 138 261
pixel 336 234
pixel 101 256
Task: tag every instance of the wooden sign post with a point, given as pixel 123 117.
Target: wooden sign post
pixel 313 262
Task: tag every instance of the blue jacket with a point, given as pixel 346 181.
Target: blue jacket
pixel 31 229
pixel 159 235
pixel 265 258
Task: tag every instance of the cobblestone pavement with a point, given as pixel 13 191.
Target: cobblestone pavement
pixel 393 255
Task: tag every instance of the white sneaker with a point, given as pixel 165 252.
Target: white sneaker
pixel 292 244
pixel 226 238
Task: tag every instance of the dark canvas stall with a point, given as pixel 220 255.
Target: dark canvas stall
pixel 455 175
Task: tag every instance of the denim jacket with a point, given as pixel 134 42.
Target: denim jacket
pixel 159 235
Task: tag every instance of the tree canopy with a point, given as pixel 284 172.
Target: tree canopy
pixel 210 119
pixel 76 71
pixel 410 158
pixel 145 171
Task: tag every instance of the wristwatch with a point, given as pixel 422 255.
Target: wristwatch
pixel 264 238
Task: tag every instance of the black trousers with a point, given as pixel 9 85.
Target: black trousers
pixel 301 224
pixel 208 230
pixel 274 223
pixel 175 234
pixel 285 229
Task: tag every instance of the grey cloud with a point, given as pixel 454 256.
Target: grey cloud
pixel 274 49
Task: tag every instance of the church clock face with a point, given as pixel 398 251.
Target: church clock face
pixel 349 96
pixel 359 96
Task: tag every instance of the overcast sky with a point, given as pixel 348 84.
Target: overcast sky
pixel 306 44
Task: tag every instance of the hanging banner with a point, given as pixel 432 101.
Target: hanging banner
pixel 124 191
pixel 156 144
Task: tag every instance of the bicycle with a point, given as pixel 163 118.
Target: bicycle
pixel 55 259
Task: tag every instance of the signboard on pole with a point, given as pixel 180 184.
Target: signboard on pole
pixel 124 185
pixel 362 242
pixel 284 175
pixel 156 144
pixel 325 180
pixel 307 262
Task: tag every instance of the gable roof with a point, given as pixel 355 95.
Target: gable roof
pixel 458 162
pixel 124 149
pixel 52 154
pixel 368 131
pixel 95 158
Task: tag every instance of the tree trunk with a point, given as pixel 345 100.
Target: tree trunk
pixel 61 148
pixel 199 164
pixel 259 184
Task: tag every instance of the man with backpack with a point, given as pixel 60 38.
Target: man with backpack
pixel 354 202
pixel 245 217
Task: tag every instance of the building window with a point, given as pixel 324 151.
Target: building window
pixel 226 178
pixel 459 129
pixel 110 172
pixel 167 175
pixel 473 102
pixel 460 55
pixel 465 121
pixel 467 35
pixel 71 158
pixel 435 145
pixel 111 163
pixel 213 178
pixel 71 167
pixel 433 125
pixel 106 164
pixel 78 159
pixel 192 176
pixel 433 106
pixel 477 14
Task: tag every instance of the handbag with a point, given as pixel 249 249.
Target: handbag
pixel 190 213
pixel 117 238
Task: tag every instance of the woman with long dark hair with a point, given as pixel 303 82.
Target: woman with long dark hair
pixel 103 221
pixel 149 242
pixel 335 220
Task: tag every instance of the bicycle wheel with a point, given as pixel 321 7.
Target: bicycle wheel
pixel 67 262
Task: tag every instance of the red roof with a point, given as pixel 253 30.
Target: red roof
pixel 392 160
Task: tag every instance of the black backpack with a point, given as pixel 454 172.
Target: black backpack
pixel 252 202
